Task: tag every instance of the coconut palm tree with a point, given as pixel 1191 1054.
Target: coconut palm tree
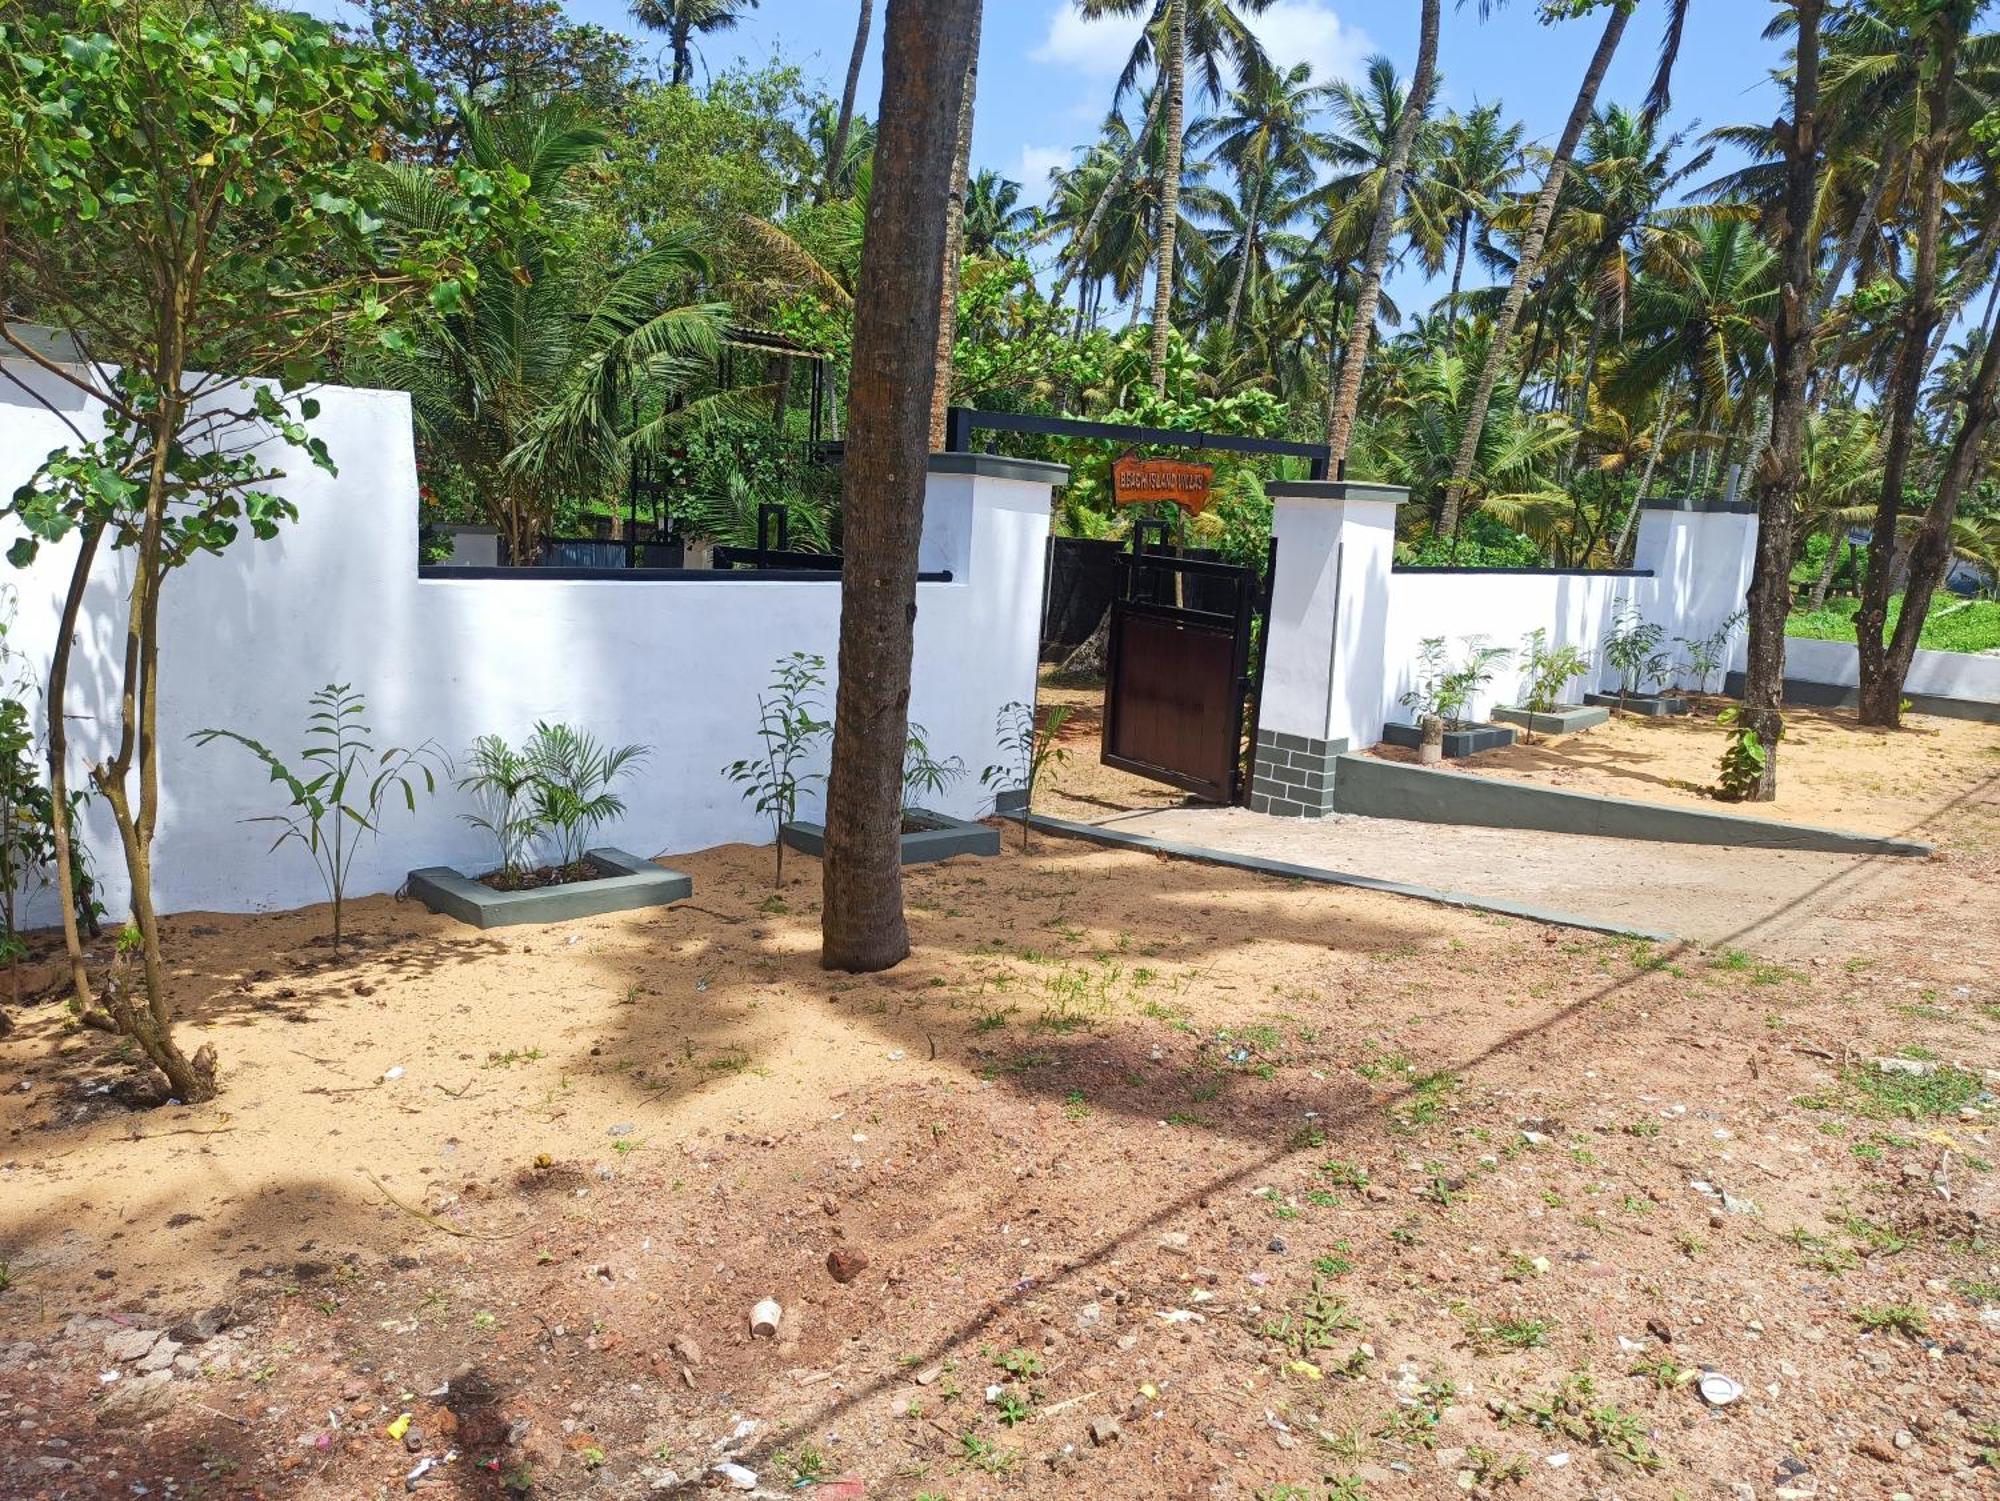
pixel 836 155
pixel 1528 264
pixel 1390 197
pixel 683 21
pixel 525 394
pixel 1477 160
pixel 1179 34
pixel 996 223
pixel 1265 136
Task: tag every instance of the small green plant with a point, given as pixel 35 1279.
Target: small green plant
pixel 500 778
pixel 1019 1364
pixel 1028 749
pixel 1632 647
pixel 1444 691
pixel 924 775
pixel 1894 1318
pixel 1574 1410
pixel 1743 757
pixel 338 798
pixel 1705 656
pixel 574 773
pixel 789 725
pixel 1548 670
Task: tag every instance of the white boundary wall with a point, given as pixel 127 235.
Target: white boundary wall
pixel 1346 627
pixel 676 665
pixel 1939 674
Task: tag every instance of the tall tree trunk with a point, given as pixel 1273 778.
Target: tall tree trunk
pixel 1457 276
pixel 1836 541
pixel 1791 370
pixel 1080 247
pixel 1170 189
pixel 927 53
pixel 954 248
pixel 683 45
pixel 1531 254
pixel 1243 265
pixel 1665 425
pixel 1930 550
pixel 836 156
pixel 1864 221
pixel 1355 362
pixel 1920 319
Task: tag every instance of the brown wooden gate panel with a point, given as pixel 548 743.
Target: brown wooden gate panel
pixel 1177 679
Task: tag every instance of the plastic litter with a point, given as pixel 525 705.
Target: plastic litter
pixel 1718 1390
pixel 765 1318
pixel 393 1075
pixel 736 1475
pixel 400 1426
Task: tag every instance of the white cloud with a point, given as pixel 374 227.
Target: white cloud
pixel 1308 31
pixel 1292 31
pixel 1037 162
pixel 1099 46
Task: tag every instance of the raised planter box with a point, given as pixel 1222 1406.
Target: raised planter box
pixel 627 883
pixel 1651 705
pixel 1458 744
pixel 1563 719
pixel 939 839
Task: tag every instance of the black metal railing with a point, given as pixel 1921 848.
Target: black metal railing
pixel 961 423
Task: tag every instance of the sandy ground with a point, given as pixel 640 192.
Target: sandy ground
pixel 1169 1182
pixel 1783 904
pixel 1832 771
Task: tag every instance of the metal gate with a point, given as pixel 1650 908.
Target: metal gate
pixel 1181 674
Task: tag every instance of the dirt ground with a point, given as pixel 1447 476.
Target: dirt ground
pixel 1833 772
pixel 1148 1179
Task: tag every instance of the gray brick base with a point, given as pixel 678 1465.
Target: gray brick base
pixel 1294 775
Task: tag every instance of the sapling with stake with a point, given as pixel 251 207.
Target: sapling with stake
pixel 1707 655
pixel 338 796
pixel 1548 670
pixel 1632 646
pixel 788 723
pixel 1443 691
pixel 1029 748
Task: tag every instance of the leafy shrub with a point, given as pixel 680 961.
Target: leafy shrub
pixel 1445 690
pixel 790 728
pixel 573 774
pixel 1550 669
pixel 1632 646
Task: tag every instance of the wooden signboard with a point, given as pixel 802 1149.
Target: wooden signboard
pixel 1136 481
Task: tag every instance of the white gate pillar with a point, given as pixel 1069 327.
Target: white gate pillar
pixel 1324 666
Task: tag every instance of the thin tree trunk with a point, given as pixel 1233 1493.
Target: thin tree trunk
pixel 1457 276
pixel 1792 355
pixel 1864 221
pixel 58 698
pixel 954 248
pixel 1930 550
pixel 1170 190
pixel 927 53
pixel 1836 540
pixel 1080 247
pixel 1355 362
pixel 1652 463
pixel 1243 265
pixel 1922 311
pixel 836 156
pixel 1531 253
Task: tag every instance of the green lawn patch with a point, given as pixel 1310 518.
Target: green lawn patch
pixel 1954 624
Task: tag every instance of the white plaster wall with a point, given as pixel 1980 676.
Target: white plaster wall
pixel 677 666
pixel 1699 564
pixel 1945 674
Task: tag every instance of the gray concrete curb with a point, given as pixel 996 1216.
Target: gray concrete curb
pixel 628 883
pixel 1118 839
pixel 1374 788
pixel 948 837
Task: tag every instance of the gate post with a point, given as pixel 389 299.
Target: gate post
pixel 1324 676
